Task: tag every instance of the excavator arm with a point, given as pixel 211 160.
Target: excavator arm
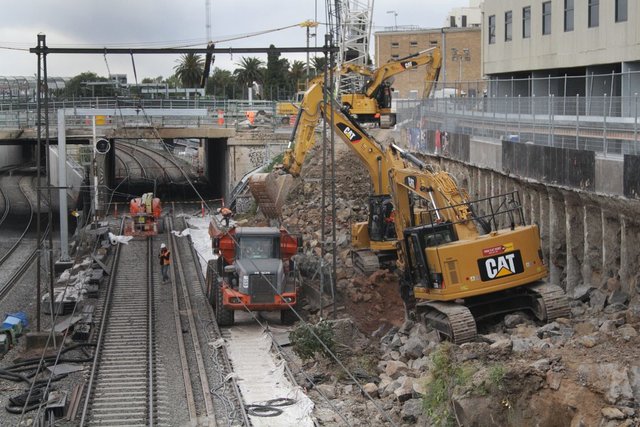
pixel 270 190
pixel 430 56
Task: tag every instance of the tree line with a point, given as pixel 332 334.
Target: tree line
pixel 277 79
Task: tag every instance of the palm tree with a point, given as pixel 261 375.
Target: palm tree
pixel 189 70
pixel 298 72
pixel 250 71
pixel 318 64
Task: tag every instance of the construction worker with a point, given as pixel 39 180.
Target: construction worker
pixel 165 262
pixel 226 215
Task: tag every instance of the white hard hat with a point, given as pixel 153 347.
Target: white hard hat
pixel 162 246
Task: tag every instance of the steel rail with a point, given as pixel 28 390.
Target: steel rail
pixel 132 149
pixel 24 233
pixel 193 327
pixel 174 173
pixel 126 152
pixel 191 405
pixel 119 389
pixel 222 353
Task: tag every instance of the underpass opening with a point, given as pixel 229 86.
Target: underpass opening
pixel 215 154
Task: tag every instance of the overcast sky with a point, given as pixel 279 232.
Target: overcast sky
pixel 164 23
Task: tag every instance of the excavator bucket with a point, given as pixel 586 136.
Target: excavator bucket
pixel 270 191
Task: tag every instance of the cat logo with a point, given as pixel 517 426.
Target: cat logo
pixel 409 64
pixel 353 136
pixel 503 265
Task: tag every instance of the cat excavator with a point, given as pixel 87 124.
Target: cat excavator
pixel 373 241
pixel 372 104
pixel 460 261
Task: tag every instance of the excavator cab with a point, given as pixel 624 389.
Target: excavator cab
pixel 417 240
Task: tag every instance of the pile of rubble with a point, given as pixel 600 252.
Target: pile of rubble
pixel 578 371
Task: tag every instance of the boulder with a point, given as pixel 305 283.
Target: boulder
pixel 584 328
pixel 405 391
pixel 554 379
pixel 581 293
pixel 627 332
pixel 550 329
pixel 411 410
pixel 618 297
pixel 395 369
pixel 589 341
pixel 413 348
pixel 503 345
pixel 611 413
pixel 420 385
pixel 515 319
pixel 327 390
pixel 634 381
pixel 597 300
pixel 632 314
pixel 371 389
pixel 608 327
pixel 541 366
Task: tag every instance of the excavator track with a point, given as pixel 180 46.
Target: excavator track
pixel 452 320
pixel 552 302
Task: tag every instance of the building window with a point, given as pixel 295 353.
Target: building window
pixel 526 22
pixel 546 18
pixel 568 15
pixel 464 20
pixel 452 21
pixel 507 26
pixel 594 13
pixel 413 44
pixel 621 10
pixel 433 42
pixel 395 56
pixel 492 29
pixel 395 44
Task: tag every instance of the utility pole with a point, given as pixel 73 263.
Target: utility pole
pixel 308 24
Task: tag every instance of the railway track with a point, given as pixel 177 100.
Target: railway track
pixel 168 167
pixel 121 389
pixel 18 228
pixel 217 400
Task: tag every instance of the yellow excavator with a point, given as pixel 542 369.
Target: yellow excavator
pixel 373 241
pixel 374 248
pixel 372 104
pixel 460 261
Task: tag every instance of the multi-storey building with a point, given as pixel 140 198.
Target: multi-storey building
pixel 587 47
pixel 461 54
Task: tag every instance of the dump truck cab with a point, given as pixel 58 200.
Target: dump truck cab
pixel 254 271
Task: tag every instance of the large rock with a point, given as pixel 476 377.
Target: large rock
pixel 395 369
pixel 413 348
pixel 627 332
pixel 328 390
pixel 610 379
pixel 515 319
pixel 612 413
pixel 411 410
pixel 597 300
pixel 634 380
pixel 371 389
pixel 405 391
pixel 618 297
pixel 581 293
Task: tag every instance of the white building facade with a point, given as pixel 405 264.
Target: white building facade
pixel 587 47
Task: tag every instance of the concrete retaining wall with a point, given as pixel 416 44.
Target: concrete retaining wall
pixel 248 150
pixel 74 180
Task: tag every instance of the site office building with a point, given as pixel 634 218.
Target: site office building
pixel 400 42
pixel 585 40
